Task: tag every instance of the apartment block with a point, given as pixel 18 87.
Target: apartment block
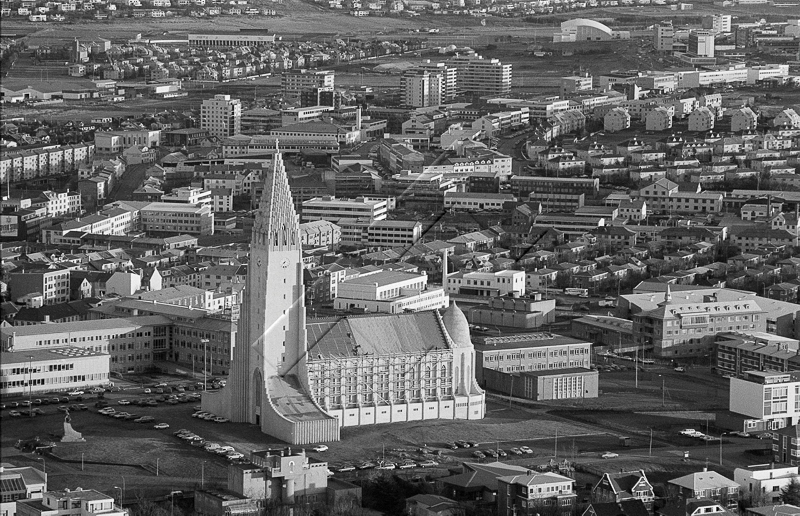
pixel 531 352
pixel 480 76
pixel 114 142
pixel 767 396
pixel 501 283
pixel 221 116
pixel 421 88
pixel 166 218
pixel 58 368
pixel 294 82
pixel 332 209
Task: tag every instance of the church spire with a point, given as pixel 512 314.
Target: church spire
pixel 276 224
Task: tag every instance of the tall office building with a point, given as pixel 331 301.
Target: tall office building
pixel 449 77
pixel 295 82
pixel 482 76
pixel 663 36
pixel 221 116
pixel 701 43
pixel 420 88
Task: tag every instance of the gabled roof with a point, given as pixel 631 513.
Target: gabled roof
pixel 703 480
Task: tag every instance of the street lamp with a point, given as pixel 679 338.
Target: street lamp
pixel 663 391
pixel 44 464
pixel 205 358
pixel 30 384
pixel 120 495
pixel 202 474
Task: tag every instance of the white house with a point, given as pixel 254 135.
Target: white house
pixel 764 482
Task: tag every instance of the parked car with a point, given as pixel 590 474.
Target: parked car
pixel 525 449
pixel 161 426
pixel 344 468
pixel 516 451
pixel 75 393
pixel 320 448
pixel 123 402
pixel 478 454
pixel 366 465
pixel 610 455
pixel 407 465
pixel 428 464
pixel 680 369
pixel 386 466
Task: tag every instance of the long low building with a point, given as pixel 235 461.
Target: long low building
pixel 244 145
pixel 476 201
pixel 54 369
pixel 229 39
pixel 555 384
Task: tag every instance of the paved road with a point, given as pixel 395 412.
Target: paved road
pixel 130 181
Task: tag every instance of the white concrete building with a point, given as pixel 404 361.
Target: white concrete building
pixel 54 369
pixel 767 396
pixel 20 483
pixel 421 88
pixel 501 283
pixel 332 209
pixel 764 482
pixel 701 43
pixel 188 195
pixel 721 23
pixel 71 502
pixel 221 116
pixel 391 292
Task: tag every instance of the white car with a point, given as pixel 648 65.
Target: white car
pixel 386 466
pixel 680 369
pixel 220 419
pixel 161 426
pixel 320 448
pixel 75 393
pixel 691 432
pixel 235 456
pixel 525 449
pixel 123 402
pixel 610 455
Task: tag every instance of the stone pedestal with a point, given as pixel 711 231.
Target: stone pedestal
pixel 71 435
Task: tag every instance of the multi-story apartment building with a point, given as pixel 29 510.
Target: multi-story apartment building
pixel 449 77
pixel 221 116
pixel 531 352
pixel 166 218
pixel 575 83
pixel 481 76
pixel 26 164
pixel 737 352
pixel 295 82
pixel 51 283
pixel 113 221
pixel 664 196
pixel 55 368
pixel 701 43
pixel 706 484
pixel 534 493
pixel 766 397
pixel 114 142
pixel 686 324
pixel 321 233
pixel 332 209
pixel 422 88
pixel 786 445
pixel 622 486
pixel 59 204
pixel 663 36
pixel 390 292
pixel 522 186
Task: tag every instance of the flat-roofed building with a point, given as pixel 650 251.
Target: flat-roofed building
pixel 295 82
pixel 468 201
pixel 332 209
pixel 54 369
pixel 501 283
pixel 390 292
pixel 166 218
pixel 230 39
pixel 481 76
pixel 737 352
pixel 765 481
pixel 531 352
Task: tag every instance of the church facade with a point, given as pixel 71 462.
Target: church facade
pixel 301 381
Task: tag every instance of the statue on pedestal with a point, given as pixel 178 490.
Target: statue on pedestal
pixel 70 435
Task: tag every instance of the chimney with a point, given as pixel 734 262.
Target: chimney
pixel 705 469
